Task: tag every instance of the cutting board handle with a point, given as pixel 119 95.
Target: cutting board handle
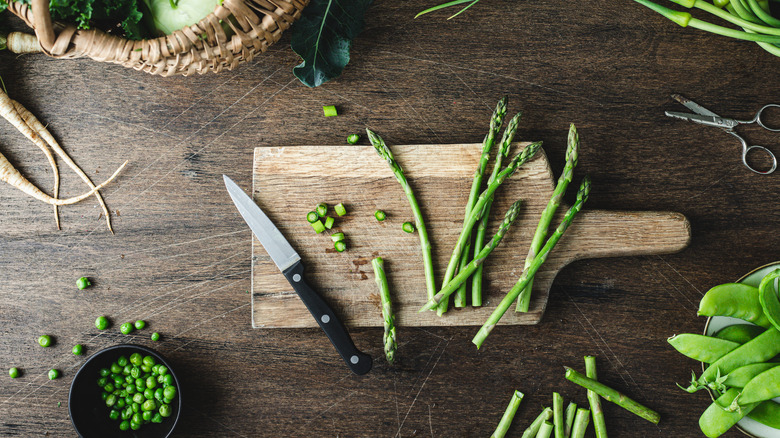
pixel 596 234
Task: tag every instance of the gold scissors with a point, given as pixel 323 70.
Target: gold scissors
pixel 706 117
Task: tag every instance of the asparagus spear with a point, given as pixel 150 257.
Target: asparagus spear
pixel 580 423
pixel 533 429
pixel 464 273
pixel 571 412
pixel 479 238
pixel 549 211
pixel 594 400
pixel 612 395
pixel 425 244
pixel 387 308
pixel 487 144
pixel 509 414
pixel 558 420
pixel 479 206
pixel 503 306
pixel 545 431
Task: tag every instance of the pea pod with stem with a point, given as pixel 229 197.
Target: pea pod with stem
pixel 735 300
pixel 480 258
pixel 716 420
pixel 479 237
pixel 425 244
pixel 572 152
pixel 764 386
pixel 511 296
pixel 767 296
pixel 700 347
pixel 496 120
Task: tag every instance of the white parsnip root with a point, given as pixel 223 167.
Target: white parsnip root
pixel 20 43
pixel 36 132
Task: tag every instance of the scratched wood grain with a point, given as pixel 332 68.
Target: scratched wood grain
pixel 289 181
pixel 181 256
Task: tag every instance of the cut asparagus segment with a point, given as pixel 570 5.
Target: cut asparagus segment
pixel 594 400
pixel 318 226
pixel 533 429
pixel 329 221
pixel 509 414
pixel 340 209
pixel 612 395
pixel 389 339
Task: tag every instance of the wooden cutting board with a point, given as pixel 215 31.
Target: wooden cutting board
pixel 290 181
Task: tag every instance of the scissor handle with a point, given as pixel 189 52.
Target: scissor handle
pixel 746 151
pixel 758 120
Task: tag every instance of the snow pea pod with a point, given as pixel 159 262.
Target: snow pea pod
pixel 735 300
pixel 739 333
pixel 741 376
pixel 716 420
pixel 764 386
pixel 767 413
pixel 760 349
pixel 767 295
pixel 700 347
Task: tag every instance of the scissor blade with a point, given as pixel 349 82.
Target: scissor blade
pixel 269 236
pixel 693 106
pixel 718 122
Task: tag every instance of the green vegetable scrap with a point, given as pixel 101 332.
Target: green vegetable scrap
pixel 329 221
pixel 336 237
pixel 323 36
pixel 318 226
pixel 83 283
pixel 449 4
pixel 77 350
pixel 380 215
pixel 388 317
pixel 312 217
pixel 101 323
pixel 353 138
pixel 340 209
pixel 408 227
pixel 13 372
pixel 44 341
pixel 509 415
pixel 340 246
pixel 330 111
pixel 322 210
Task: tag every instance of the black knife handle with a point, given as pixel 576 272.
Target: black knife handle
pixel 359 363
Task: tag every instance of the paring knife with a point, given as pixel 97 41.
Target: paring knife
pixel 289 262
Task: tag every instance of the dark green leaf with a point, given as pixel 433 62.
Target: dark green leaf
pixel 323 37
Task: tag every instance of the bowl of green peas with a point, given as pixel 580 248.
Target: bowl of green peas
pixel 125 390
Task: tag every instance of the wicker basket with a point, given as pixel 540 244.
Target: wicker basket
pixel 256 24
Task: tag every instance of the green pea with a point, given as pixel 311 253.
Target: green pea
pixel 131 389
pixel 157 418
pixel 103 395
pixel 161 380
pixel 101 323
pixel 130 378
pixel 167 401
pixel 104 372
pixel 102 381
pixel 138 398
pixel 124 425
pixel 123 393
pixel 147 416
pixel 136 359
pixel 158 394
pixel 137 418
pixel 53 374
pixel 149 393
pixel 78 349
pixel 140 324
pixel 134 425
pixel 115 368
pixel 136 407
pixel 169 392
pixel 44 340
pixel 165 411
pixel 135 372
pixel 126 370
pixel 118 381
pixel 162 370
pixel 353 138
pixel 128 408
pixel 140 382
pixel 13 372
pixel 109 387
pixel 114 414
pixel 122 361
pixel 110 400
pixel 168 380
pixel 151 382
pixel 121 403
pixel 155 336
pixel 146 368
pixel 126 328
pixel 148 405
pixel 83 283
pixel 149 361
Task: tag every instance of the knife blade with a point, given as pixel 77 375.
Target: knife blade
pixel 289 262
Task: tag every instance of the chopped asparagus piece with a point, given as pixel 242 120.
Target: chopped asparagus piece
pixel 312 217
pixel 329 221
pixel 340 209
pixel 318 226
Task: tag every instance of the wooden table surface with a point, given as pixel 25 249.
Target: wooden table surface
pixel 180 258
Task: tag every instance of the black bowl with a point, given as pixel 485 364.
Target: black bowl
pixel 89 413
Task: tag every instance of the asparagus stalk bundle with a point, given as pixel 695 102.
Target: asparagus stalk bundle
pixel 387 309
pixel 476 213
pixel 496 121
pixel 572 151
pixel 425 244
pixel 503 306
pixel 464 273
pixel 479 238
